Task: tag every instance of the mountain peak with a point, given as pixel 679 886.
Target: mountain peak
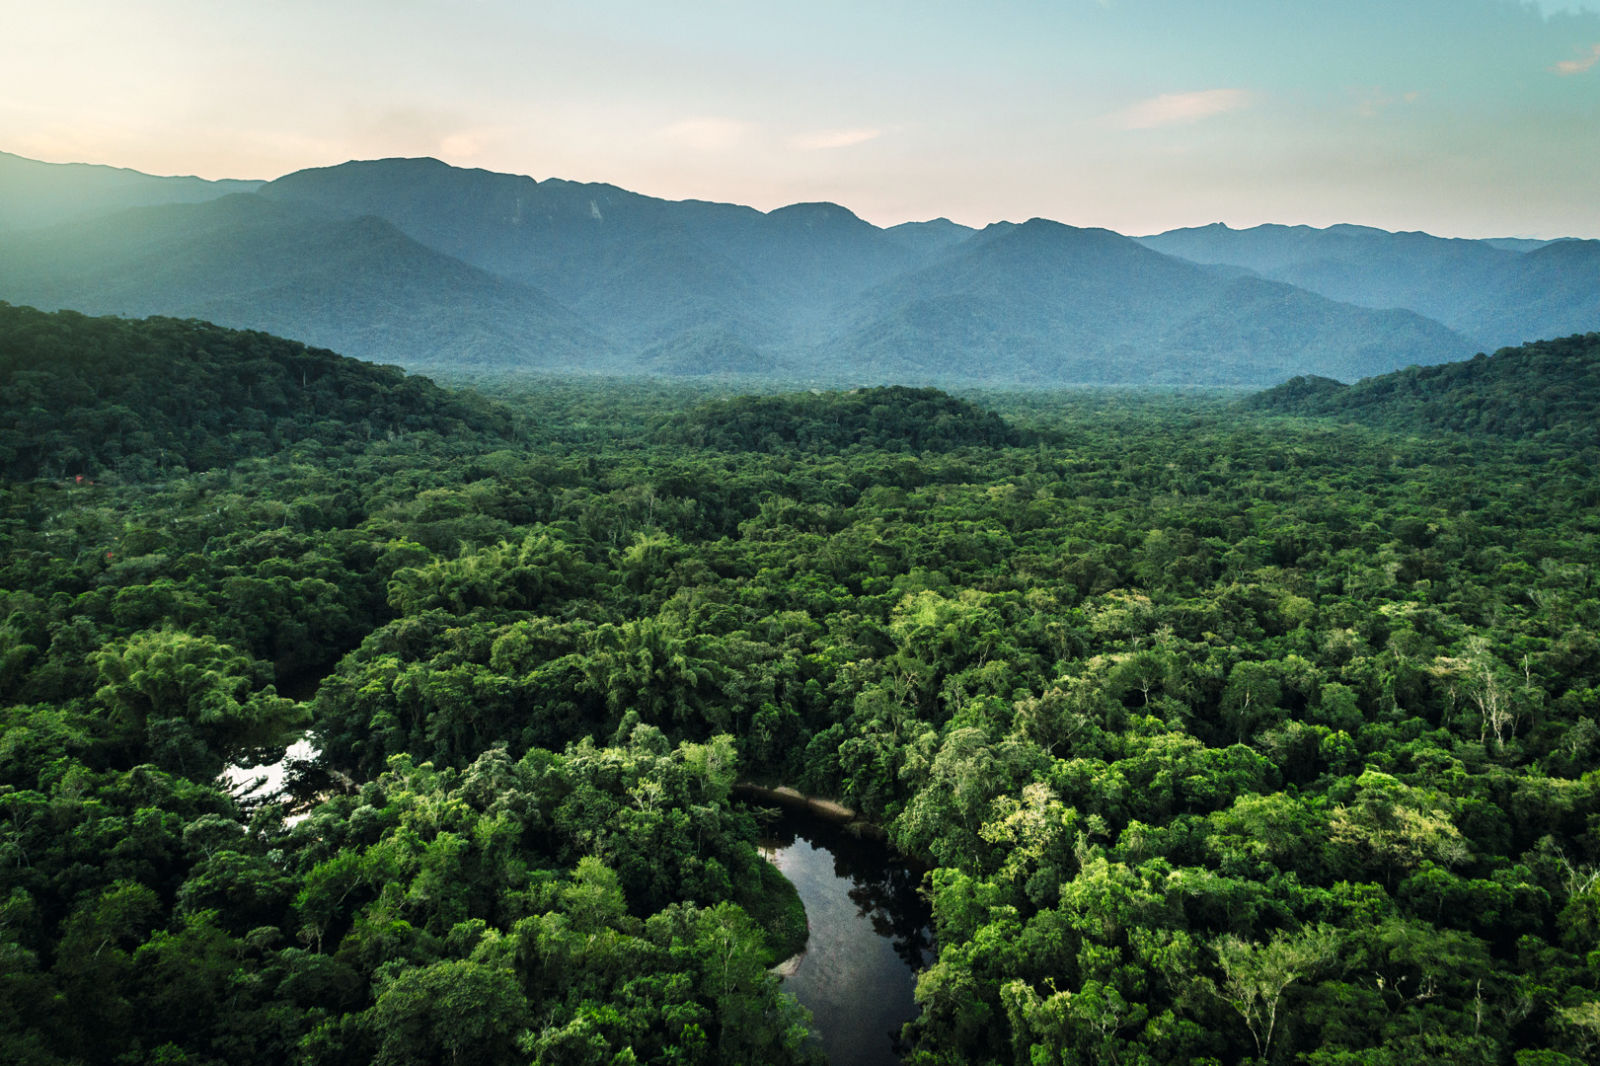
pixel 390 164
pixel 1065 234
pixel 819 212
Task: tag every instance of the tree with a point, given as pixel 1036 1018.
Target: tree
pixel 1256 975
pixel 457 1012
pixel 191 704
pixel 1392 826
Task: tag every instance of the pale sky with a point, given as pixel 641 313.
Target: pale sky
pixel 1459 117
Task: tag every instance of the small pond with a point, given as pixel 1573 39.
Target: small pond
pixel 870 935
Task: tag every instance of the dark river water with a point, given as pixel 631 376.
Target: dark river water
pixel 870 931
pixel 869 937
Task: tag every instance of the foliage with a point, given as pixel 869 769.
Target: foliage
pixel 90 396
pixel 1224 738
pixel 894 418
pixel 1547 388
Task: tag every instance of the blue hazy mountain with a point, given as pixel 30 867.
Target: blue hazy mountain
pixel 932 237
pixel 355 285
pixel 1495 292
pixel 42 194
pixel 416 262
pixel 1043 302
pixel 640 268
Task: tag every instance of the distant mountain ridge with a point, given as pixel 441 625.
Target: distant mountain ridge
pixel 43 194
pixel 1495 292
pixel 643 268
pixel 1118 313
pixel 416 262
pixel 354 285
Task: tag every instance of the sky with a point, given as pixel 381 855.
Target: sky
pixel 1470 118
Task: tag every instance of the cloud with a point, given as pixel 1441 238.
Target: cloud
pixel 707 133
pixel 827 139
pixel 1373 102
pixel 1572 7
pixel 1170 108
pixel 1581 64
pixel 463 145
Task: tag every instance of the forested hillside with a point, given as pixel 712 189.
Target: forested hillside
pixel 87 396
pixel 1226 736
pixel 895 419
pixel 1540 389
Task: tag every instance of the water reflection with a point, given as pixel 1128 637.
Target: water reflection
pixel 262 784
pixel 870 934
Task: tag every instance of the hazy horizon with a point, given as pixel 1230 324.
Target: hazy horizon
pixel 766 210
pixel 1469 118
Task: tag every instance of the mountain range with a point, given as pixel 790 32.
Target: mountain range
pixel 1498 293
pixel 415 262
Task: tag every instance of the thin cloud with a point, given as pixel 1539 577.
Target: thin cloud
pixel 707 133
pixel 1172 108
pixel 466 144
pixel 1374 102
pixel 1581 64
pixel 829 139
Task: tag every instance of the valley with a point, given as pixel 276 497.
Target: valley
pixel 1196 706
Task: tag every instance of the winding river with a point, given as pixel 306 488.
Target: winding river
pixel 869 936
pixel 869 926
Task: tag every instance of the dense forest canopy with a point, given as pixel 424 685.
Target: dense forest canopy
pixel 87 395
pixel 892 418
pixel 1547 387
pixel 1226 736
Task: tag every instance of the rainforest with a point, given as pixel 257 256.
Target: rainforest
pixel 1219 727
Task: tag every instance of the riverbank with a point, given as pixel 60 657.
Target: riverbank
pixel 773 903
pixel 869 932
pixel 828 810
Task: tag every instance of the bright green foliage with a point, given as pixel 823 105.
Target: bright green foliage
pixel 1255 976
pixel 185 703
pixel 1545 388
pixel 1225 738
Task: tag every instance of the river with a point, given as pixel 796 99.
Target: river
pixel 870 927
pixel 261 783
pixel 870 935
